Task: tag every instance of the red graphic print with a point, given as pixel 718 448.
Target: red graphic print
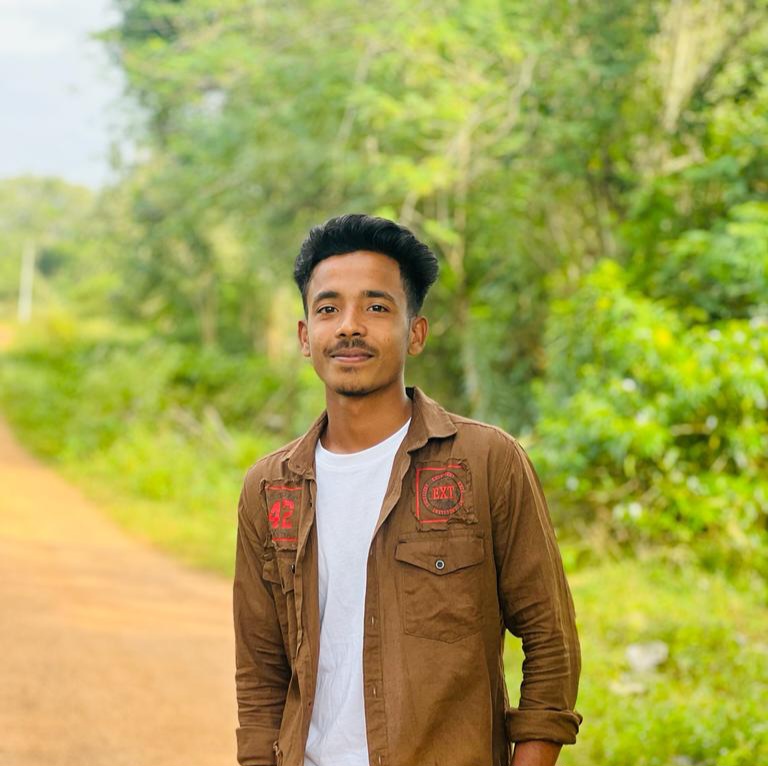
pixel 280 512
pixel 287 507
pixel 439 492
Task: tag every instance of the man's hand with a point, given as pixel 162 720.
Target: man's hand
pixel 535 753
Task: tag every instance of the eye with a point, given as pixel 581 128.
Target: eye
pixel 377 307
pixel 322 309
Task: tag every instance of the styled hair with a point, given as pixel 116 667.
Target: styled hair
pixel 348 233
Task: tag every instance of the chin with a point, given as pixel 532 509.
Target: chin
pixel 352 386
pixel 353 390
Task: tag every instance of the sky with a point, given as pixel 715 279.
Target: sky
pixel 60 98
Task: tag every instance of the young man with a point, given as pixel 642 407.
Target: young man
pixel 382 555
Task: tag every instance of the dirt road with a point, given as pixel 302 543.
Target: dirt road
pixel 110 654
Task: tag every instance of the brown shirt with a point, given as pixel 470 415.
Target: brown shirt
pixel 463 549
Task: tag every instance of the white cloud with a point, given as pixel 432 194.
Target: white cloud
pixel 56 88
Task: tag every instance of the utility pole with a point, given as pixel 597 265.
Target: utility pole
pixel 26 282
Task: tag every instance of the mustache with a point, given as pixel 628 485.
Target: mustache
pixel 354 343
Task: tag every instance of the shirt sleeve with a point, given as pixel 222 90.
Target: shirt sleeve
pixel 262 670
pixel 537 605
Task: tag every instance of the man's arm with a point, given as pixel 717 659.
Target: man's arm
pixel 537 607
pixel 262 668
pixel 536 753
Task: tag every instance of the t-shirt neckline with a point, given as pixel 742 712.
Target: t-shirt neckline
pixel 346 460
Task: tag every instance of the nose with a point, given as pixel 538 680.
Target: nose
pixel 350 323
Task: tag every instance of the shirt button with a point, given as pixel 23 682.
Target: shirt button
pixel 293 567
pixel 439 564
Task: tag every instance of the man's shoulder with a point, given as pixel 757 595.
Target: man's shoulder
pixel 489 442
pixel 495 436
pixel 269 466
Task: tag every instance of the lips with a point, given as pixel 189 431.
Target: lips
pixel 351 355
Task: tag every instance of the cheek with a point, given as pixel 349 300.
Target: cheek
pixel 397 348
pixel 315 337
pixel 315 346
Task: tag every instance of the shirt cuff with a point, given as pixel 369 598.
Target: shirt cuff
pixel 552 725
pixel 256 745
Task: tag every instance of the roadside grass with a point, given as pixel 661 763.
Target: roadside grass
pixel 177 496
pixel 198 535
pixel 704 705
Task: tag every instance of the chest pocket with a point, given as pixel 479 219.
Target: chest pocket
pixel 440 586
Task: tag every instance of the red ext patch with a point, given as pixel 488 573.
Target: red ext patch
pixel 281 504
pixel 439 492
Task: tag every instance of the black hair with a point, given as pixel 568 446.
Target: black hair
pixel 355 231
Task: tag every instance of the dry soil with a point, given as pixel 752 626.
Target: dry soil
pixel 111 654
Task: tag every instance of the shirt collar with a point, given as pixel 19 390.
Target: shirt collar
pixel 428 421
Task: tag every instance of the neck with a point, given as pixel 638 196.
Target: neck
pixel 356 423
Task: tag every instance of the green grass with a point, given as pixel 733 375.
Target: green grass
pixel 704 706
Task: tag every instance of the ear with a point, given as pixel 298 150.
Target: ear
pixel 303 333
pixel 417 335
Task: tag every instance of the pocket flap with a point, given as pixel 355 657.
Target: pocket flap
pixel 269 571
pixel 286 566
pixel 441 556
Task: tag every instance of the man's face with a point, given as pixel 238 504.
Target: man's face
pixel 357 330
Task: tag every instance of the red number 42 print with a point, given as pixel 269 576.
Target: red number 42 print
pixel 280 513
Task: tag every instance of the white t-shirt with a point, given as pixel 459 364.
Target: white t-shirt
pixel 350 492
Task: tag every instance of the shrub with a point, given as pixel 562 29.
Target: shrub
pixel 656 428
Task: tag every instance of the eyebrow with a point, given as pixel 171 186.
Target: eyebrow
pixel 326 294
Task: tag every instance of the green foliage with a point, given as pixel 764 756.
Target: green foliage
pixel 518 139
pixel 652 403
pixel 658 429
pixel 721 272
pixel 44 215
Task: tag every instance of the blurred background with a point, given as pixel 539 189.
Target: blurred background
pixel 594 179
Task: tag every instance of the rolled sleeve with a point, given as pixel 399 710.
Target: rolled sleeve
pixel 255 745
pixel 552 725
pixel 537 606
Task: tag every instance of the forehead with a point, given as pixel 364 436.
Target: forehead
pixel 359 270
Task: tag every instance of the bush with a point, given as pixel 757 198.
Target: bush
pixel 655 428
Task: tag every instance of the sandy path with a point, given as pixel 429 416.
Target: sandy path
pixel 110 653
